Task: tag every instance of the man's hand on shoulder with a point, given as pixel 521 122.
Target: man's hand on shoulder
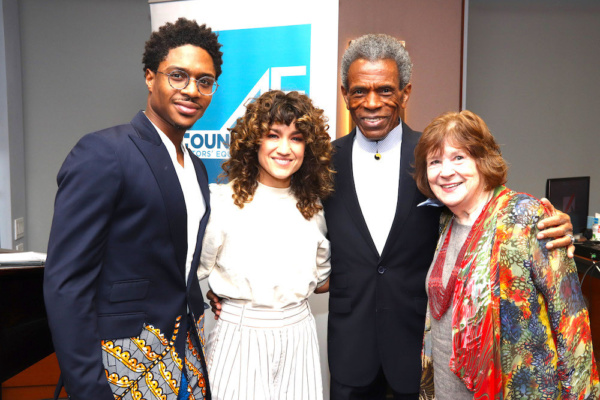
pixel 324 288
pixel 557 226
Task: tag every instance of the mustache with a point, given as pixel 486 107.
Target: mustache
pixel 186 98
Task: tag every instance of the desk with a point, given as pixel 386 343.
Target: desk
pixel 591 293
pixel 24 334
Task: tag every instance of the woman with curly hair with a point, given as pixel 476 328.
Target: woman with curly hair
pixel 265 251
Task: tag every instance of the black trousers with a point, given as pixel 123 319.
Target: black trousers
pixel 379 389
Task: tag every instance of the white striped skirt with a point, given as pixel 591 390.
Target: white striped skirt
pixel 262 354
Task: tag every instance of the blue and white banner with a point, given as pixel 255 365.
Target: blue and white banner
pixel 267 44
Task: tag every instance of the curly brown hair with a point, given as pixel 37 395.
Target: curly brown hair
pixel 313 181
pixel 464 130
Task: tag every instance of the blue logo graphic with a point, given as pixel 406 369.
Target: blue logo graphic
pixel 254 61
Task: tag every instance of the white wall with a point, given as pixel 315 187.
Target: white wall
pixel 12 163
pixel 82 71
pixel 533 77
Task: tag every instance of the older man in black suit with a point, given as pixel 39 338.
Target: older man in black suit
pixel 382 235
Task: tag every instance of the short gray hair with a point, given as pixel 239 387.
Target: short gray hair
pixel 374 47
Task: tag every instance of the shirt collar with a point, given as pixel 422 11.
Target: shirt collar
pixel 392 139
pixel 431 203
pixel 165 139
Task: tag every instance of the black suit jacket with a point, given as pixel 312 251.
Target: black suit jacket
pixel 377 303
pixel 117 251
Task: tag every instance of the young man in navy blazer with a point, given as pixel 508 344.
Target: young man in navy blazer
pixel 124 305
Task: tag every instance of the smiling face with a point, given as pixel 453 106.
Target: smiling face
pixel 374 97
pixel 280 155
pixel 455 180
pixel 172 110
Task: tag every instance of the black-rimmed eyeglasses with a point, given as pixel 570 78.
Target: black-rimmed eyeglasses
pixel 179 80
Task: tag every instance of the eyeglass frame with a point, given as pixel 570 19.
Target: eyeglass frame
pixel 189 78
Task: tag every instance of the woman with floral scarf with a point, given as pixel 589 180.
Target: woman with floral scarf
pixel 506 318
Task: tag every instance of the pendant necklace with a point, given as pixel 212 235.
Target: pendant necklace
pixel 377 155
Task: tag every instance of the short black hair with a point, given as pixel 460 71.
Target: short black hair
pixel 180 33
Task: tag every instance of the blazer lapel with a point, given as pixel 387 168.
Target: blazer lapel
pixel 345 184
pixel 406 187
pixel 202 177
pixel 155 153
pixel 193 285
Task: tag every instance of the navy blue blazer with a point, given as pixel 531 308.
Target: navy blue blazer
pixel 117 251
pixel 377 303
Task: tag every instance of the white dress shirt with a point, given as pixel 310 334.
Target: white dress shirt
pixel 376 181
pixel 194 201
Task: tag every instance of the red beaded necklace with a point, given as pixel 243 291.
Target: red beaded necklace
pixel 440 296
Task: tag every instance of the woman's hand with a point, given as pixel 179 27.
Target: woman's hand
pixel 557 226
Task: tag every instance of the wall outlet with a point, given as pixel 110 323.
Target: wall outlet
pixel 20 247
pixel 19 228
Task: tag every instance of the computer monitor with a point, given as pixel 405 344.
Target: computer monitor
pixel 571 196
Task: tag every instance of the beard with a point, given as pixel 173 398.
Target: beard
pixel 181 127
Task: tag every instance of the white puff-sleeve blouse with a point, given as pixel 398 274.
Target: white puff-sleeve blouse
pixel 266 254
